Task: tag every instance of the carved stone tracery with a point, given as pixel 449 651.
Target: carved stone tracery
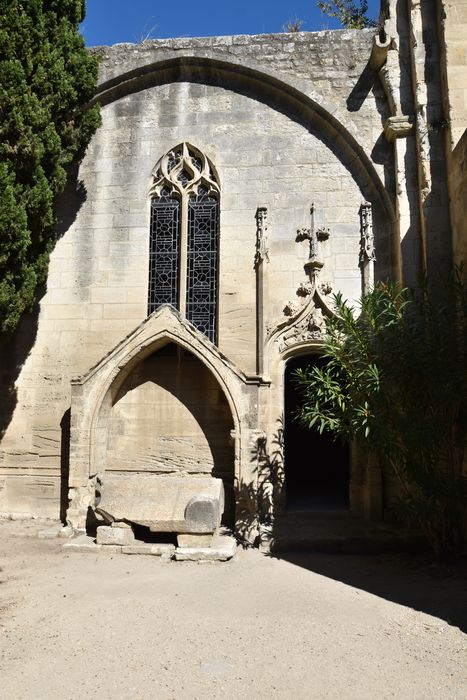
pixel 311 327
pixel 182 171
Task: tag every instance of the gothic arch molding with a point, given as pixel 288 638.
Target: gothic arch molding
pixel 277 92
pixel 93 394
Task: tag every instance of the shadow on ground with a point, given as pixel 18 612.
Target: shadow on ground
pixel 406 579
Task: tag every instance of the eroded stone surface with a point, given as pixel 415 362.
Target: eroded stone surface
pixel 114 536
pixel 157 550
pixel 160 502
pixel 195 540
pixel 223 550
pixel 82 543
pixel 50 533
pixel 202 514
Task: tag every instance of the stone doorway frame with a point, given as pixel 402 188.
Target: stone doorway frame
pixel 311 354
pixel 366 489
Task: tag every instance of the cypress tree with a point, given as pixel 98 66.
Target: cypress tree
pixel 47 78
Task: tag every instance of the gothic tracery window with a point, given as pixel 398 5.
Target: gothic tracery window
pixel 183 255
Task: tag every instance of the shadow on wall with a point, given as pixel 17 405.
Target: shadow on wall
pixel 381 154
pixel 263 494
pixel 15 351
pixel 171 416
pixel 64 464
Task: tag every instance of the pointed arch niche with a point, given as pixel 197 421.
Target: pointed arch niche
pixel 184 237
pixel 162 401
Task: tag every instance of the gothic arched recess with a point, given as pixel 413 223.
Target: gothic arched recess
pixel 100 440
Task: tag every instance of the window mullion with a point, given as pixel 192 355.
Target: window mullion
pixel 183 254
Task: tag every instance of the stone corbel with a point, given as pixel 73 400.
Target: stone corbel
pixel 398 127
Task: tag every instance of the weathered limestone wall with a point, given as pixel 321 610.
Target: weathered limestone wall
pixel 270 148
pixel 458 194
pixel 171 417
pixel 454 21
pixel 453 27
pixel 414 79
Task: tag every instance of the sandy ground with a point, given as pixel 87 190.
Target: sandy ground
pixel 104 626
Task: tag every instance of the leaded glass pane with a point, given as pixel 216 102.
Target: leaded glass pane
pixel 203 228
pixel 164 252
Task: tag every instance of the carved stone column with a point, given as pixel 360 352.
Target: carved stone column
pixel 262 291
pixel 367 248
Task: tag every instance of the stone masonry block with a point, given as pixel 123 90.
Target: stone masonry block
pixel 114 535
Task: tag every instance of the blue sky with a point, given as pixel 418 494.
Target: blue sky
pixel 114 21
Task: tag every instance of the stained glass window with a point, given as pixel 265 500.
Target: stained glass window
pixel 164 252
pixel 185 236
pixel 201 290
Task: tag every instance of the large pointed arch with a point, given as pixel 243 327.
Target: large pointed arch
pixel 288 96
pixel 93 393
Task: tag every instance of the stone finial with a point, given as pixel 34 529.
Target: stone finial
pixel 315 237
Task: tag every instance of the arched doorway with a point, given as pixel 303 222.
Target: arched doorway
pixel 317 469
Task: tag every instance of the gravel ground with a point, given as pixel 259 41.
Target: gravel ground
pixel 77 626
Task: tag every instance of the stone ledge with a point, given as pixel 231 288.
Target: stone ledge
pixel 223 550
pixel 82 543
pixel 156 550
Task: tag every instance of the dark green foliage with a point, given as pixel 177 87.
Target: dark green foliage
pixel 350 13
pixel 396 381
pixel 46 79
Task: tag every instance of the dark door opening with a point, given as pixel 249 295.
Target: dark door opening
pixel 317 468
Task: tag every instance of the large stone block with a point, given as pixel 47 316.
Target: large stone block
pixel 194 540
pixel 114 535
pixel 182 504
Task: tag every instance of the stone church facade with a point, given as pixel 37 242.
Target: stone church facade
pixel 235 185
